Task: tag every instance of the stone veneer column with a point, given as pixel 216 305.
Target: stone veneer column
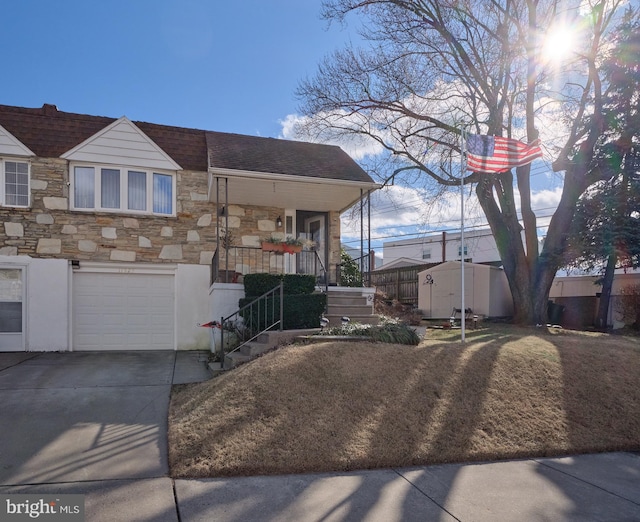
pixel 334 241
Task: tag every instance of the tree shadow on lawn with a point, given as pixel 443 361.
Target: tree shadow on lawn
pixel 601 388
pixel 436 380
pixel 446 389
pixel 349 415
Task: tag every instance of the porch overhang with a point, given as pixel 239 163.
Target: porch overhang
pixel 288 191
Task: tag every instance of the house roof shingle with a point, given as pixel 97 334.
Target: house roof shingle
pixel 276 156
pixel 49 132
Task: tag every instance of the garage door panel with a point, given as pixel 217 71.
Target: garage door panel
pixel 137 301
pixel 160 323
pixel 109 319
pixel 111 301
pixel 141 322
pixel 141 338
pixel 114 341
pixel 123 311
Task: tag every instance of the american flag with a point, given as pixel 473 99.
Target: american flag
pixel 490 154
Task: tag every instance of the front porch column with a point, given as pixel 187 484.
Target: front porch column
pixel 334 247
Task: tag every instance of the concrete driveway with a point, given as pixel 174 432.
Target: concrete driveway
pixel 92 423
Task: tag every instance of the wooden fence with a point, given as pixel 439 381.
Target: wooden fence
pixel 399 283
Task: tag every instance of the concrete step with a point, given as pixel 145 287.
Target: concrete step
pixel 341 338
pixel 336 320
pixel 263 338
pixel 232 360
pixel 345 290
pixel 215 369
pixel 264 342
pixel 255 348
pixel 349 310
pixel 347 300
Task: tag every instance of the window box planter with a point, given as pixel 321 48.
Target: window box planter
pixel 291 249
pixel 287 246
pixel 272 247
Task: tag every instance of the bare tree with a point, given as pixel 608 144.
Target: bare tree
pixel 434 66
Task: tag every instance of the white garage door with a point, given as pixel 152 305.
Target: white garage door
pixel 123 311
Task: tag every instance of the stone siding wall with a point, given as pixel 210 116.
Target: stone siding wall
pixel 334 240
pixel 49 230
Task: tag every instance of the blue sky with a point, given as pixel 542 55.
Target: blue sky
pixel 230 66
pixel 223 65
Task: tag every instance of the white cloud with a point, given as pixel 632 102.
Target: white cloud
pixel 399 212
pixel 546 200
pixel 295 127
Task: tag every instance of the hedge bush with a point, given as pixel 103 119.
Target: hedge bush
pixel 257 284
pixel 299 284
pixel 299 311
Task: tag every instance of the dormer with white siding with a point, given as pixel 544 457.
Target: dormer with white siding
pixel 15 171
pixel 120 169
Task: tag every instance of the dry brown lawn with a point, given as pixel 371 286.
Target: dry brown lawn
pixel 333 406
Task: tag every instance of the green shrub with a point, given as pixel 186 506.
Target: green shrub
pixel 258 284
pixel 303 311
pixel 295 284
pixel 388 331
pixel 396 333
pixel 299 311
pixel 350 274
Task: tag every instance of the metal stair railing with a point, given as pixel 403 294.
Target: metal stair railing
pixel 261 317
pixel 322 276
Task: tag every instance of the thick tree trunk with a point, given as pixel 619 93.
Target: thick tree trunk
pixel 605 296
pixel 551 258
pixel 507 232
pixel 529 283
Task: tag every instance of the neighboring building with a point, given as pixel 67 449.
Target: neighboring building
pixel 579 298
pixel 479 247
pixel 355 253
pixel 112 230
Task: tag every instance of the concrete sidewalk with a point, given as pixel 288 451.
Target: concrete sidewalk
pixel 603 487
pixel 96 424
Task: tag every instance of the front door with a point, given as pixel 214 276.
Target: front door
pixel 315 230
pixel 12 310
pixel 290 260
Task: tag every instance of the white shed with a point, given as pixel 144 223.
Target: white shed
pixel 486 290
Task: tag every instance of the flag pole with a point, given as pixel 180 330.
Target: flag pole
pixel 462 170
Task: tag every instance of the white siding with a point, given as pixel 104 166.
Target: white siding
pixel 11 146
pixel 48 305
pixel 46 302
pixel 122 143
pixel 481 248
pixel 192 306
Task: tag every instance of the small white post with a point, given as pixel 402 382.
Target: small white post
pixel 463 166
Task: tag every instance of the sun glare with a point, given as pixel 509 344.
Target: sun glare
pixel 559 43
